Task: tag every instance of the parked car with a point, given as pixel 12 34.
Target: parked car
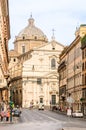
pixel 16 112
pixel 77 113
pixel 41 106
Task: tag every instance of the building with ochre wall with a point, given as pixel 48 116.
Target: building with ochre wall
pixel 4 37
pixel 71 63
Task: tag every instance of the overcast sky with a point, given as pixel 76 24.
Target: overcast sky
pixel 61 15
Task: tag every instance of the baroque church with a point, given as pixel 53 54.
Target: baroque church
pixel 33 68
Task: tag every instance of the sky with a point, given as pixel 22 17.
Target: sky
pixel 61 15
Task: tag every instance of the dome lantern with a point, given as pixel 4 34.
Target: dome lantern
pixel 31 21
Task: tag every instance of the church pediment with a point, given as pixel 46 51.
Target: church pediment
pixel 49 46
pixel 52 75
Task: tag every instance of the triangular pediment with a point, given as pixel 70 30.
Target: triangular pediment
pixel 49 46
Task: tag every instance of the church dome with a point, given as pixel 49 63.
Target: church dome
pixel 32 32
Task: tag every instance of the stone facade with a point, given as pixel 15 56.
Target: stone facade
pixel 4 37
pixel 83 98
pixel 34 77
pixel 72 58
pixel 40 77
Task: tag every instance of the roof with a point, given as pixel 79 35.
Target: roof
pixel 13 53
pixel 32 31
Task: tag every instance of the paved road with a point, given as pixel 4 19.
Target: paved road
pixel 40 120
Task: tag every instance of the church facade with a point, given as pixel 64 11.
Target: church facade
pixel 33 68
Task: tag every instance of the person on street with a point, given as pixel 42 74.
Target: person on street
pixel 2 115
pixel 7 115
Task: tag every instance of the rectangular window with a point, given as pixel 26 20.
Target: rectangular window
pixel 84 93
pixel 83 54
pixel 62 90
pixel 0 80
pixel 53 99
pixel 53 63
pixel 83 79
pixel 83 66
pixel 39 81
pixel 41 100
pixel 23 49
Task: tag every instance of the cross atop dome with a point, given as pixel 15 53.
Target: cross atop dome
pixel 31 15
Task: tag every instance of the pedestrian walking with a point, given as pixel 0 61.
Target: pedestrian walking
pixel 7 115
pixel 69 112
pixel 2 115
pixel 50 105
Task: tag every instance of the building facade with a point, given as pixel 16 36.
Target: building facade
pixel 62 70
pixel 34 77
pixel 83 98
pixel 71 77
pixel 4 37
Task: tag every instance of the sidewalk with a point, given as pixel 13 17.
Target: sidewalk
pixel 14 120
pixel 73 128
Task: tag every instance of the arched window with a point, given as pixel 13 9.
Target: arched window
pixel 53 63
pixel 14 60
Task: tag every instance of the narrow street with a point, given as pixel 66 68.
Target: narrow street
pixel 40 120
